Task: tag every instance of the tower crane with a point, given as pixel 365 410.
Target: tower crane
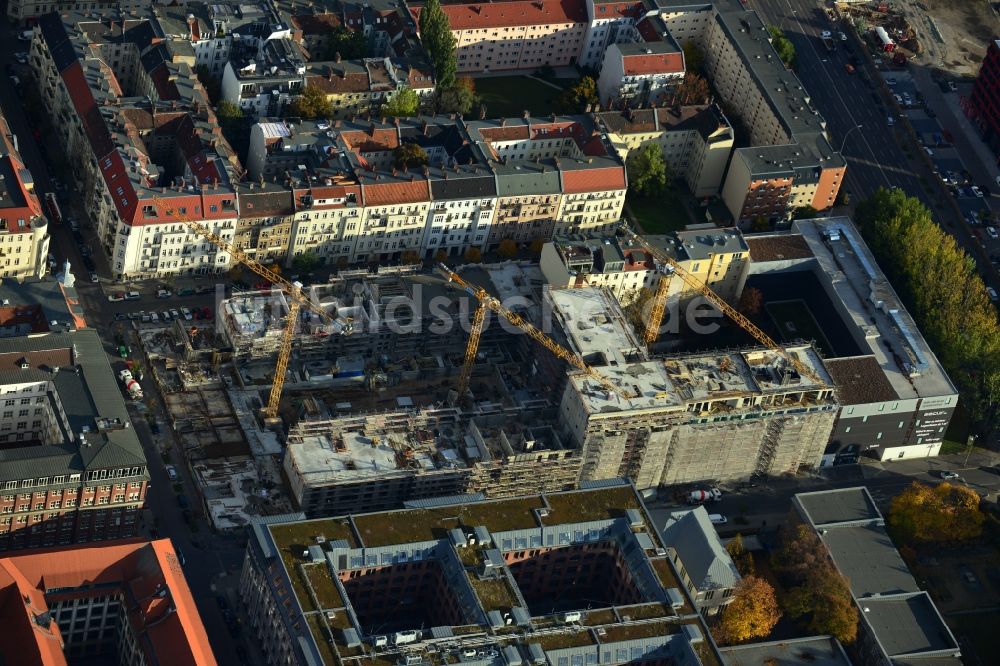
pixel 297 300
pixel 486 301
pixel 703 289
pixel 659 303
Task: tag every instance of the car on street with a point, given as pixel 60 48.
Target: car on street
pixel 898 98
pixel 145 318
pixel 889 121
pixel 182 501
pixel 842 36
pixel 163 293
pixel 166 315
pixel 186 312
pixel 21 57
pixel 976 191
pixel 849 68
pixel 948 475
pixel 992 233
pixel 174 313
pixel 172 472
pixel 94 279
pixel 121 316
pixel 718 519
pixel 154 318
pixel 952 87
pixel 891 82
pixel 116 297
pixel 826 34
pixel 992 293
pixel 132 295
pixel 209 288
pixel 26 35
pixel 928 151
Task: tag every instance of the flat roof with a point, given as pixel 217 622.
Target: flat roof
pixel 843 505
pixel 908 625
pixel 860 380
pixel 778 247
pixel 868 559
pixel 815 651
pixel 594 323
pixel 853 278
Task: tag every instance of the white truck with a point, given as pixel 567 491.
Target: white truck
pixel 703 496
pixel 131 385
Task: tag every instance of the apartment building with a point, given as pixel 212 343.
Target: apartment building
pixel 695 141
pixel 263 81
pixel 147 143
pixel 24 227
pixel 790 163
pixel 515 34
pixel 449 575
pixel 608 22
pixel 703 563
pixel 717 258
pixel 125 602
pixel 896 398
pixel 639 73
pixel 72 469
pixel 25 13
pixel 983 106
pixel 483 182
pixel 388 26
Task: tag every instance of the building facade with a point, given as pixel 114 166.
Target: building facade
pixel 984 102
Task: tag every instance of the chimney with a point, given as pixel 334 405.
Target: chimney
pixel 336 56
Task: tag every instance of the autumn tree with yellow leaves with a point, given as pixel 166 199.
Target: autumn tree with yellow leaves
pixel 945 512
pixel 752 613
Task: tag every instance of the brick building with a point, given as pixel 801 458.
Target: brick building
pixel 984 102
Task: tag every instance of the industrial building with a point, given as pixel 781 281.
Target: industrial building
pixel 899 621
pixel 479 582
pixel 821 281
pixel 123 602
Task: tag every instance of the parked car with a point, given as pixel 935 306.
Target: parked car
pixel 992 232
pixel 116 296
pixel 94 279
pixel 992 293
pixel 976 191
pixel 718 519
pixel 132 295
pixel 889 121
pixel 174 313
pixel 948 475
pixel 186 312
pixel 952 87
pixel 826 34
pixel 172 472
pixel 163 293
pixel 21 57
pixel 849 68
pixel 204 289
pixel 842 36
pixel 185 291
pixel 154 318
pixel 166 315
pixel 928 151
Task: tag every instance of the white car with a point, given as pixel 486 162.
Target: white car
pixel 992 232
pixel 21 57
pixel 891 82
pixel 992 293
pixel 172 472
pixel 978 192
pixel 94 278
pixel 825 34
pixel 842 36
pixel 718 519
pixel 928 151
pixel 889 121
pixel 187 313
pixel 949 476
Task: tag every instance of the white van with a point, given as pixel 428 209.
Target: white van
pixel 718 519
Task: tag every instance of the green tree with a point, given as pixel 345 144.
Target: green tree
pixel 408 155
pixel 349 44
pixel 311 104
pixel 460 98
pixel 437 38
pixel 305 262
pixel 404 104
pixel 507 248
pixel 235 126
pixel 945 512
pixel 576 99
pixel 648 171
pixel 784 47
pixel 694 59
pixel 941 288
pixel 804 213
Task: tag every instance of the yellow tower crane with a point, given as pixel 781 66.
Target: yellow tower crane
pixel 486 301
pixel 297 300
pixel 703 289
pixel 659 306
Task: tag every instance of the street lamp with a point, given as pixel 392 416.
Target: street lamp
pixel 844 142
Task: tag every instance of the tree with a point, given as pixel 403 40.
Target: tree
pixel 404 104
pixel 235 126
pixel 576 99
pixel 742 558
pixel 440 256
pixel 941 288
pixel 311 104
pixel 752 613
pixel 305 262
pixel 648 171
pixel 692 90
pixel 945 512
pixel 760 224
pixel 507 248
pixel 408 155
pixel 751 301
pixel 536 246
pixel 410 257
pixel 347 44
pixel 437 38
pixel 473 255
pixel 804 213
pixel 460 98
pixel 781 44
pixel 694 59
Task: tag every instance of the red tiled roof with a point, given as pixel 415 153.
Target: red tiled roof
pixel 653 63
pixel 371 142
pixel 519 133
pixel 316 24
pixel 202 168
pixel 337 84
pixel 516 13
pixel 593 180
pixel 648 31
pixel 609 10
pixel 165 88
pixel 398 192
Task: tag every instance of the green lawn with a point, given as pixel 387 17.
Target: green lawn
pixel 796 321
pixel 509 96
pixel 661 215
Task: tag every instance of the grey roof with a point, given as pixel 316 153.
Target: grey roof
pixel 702 244
pixel 814 651
pixel 838 506
pixel 706 561
pixel 48 294
pixel 526 178
pixel 463 183
pixel 908 625
pixel 86 391
pixel 866 556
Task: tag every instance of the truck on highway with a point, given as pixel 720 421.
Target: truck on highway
pixel 703 496
pixel 130 384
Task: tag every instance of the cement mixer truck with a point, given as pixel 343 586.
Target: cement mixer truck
pixel 131 386
pixel 703 496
